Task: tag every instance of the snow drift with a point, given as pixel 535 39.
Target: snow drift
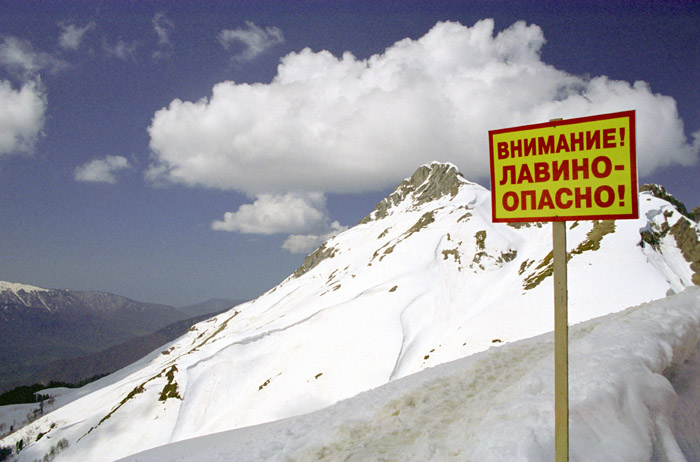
pixel 499 405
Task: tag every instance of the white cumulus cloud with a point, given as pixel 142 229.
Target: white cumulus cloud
pixel 101 170
pixel 342 124
pixel 303 216
pixel 72 35
pixel 305 243
pixel 23 110
pixel 254 39
pixel 22 114
pixel 277 214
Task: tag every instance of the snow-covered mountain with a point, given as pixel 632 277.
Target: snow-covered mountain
pixel 426 278
pixel 40 326
pixel 70 335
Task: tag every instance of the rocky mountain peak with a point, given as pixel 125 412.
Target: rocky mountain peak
pixel 430 182
pixel 659 191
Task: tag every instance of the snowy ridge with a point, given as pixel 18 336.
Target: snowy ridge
pixel 623 370
pixel 18 290
pixel 16 287
pixel 425 279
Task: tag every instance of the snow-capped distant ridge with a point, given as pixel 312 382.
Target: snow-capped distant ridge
pixel 425 279
pixel 16 287
pixel 24 293
pixel 44 331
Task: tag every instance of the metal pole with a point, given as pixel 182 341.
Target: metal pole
pixel 561 344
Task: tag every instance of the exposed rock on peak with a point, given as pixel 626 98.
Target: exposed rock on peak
pixel 312 260
pixel 688 242
pixel 683 230
pixel 428 183
pixel 659 191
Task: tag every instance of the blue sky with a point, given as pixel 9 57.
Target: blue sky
pixel 177 151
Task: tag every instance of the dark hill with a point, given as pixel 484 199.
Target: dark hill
pixel 41 327
pixel 113 358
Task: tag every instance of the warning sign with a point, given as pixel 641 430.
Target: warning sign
pixel 575 169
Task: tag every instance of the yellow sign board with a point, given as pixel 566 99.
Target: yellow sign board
pixel 574 169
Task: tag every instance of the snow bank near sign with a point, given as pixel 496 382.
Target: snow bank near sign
pixel 498 405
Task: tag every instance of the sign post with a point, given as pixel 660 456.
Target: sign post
pixel 574 169
pixel 561 343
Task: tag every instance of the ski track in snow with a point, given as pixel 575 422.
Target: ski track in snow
pixel 404 329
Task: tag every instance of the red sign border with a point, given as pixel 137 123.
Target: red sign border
pixel 633 167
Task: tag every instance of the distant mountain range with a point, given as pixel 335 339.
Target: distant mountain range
pixel 58 334
pixel 426 278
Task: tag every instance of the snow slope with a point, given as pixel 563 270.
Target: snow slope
pixel 425 279
pixel 20 291
pixel 498 405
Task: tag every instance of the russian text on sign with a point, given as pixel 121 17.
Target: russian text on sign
pixel 575 169
pixel 578 141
